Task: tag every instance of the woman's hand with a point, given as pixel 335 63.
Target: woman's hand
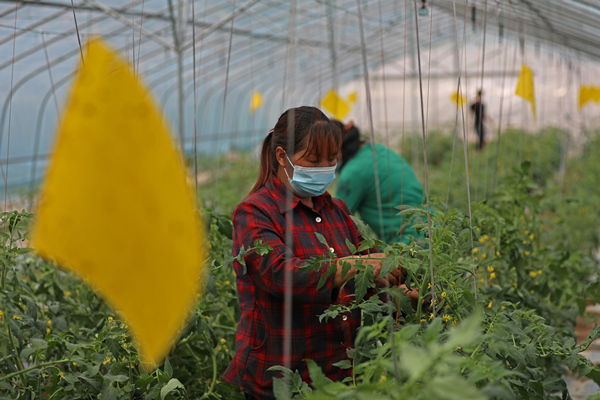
pixel 397 276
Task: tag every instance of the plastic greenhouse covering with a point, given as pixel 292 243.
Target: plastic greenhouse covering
pixel 223 71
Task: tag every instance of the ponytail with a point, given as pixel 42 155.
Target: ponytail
pixel 266 163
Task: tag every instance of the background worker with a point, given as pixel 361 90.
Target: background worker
pixel 398 185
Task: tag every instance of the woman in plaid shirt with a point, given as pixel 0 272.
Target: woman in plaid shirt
pixel 285 208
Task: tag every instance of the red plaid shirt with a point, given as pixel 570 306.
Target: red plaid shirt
pixel 260 333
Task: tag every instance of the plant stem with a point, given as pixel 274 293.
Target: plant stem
pixel 214 363
pixel 21 372
pixel 18 361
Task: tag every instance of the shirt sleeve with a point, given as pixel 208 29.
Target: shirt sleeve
pixel 352 189
pixel 267 272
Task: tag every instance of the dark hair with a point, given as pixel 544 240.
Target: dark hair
pixel 351 142
pixel 311 130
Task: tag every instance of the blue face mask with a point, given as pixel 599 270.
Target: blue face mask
pixel 311 182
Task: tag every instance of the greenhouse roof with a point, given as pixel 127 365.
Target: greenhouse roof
pixel 288 52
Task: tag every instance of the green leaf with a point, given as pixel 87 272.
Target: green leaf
pixel 167 368
pixel 346 267
pixel 388 264
pixel 343 364
pixel 363 281
pixel 281 389
pixel 321 239
pixel 171 386
pixel 316 375
pixel 351 246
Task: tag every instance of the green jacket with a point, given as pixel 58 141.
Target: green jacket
pixel 398 185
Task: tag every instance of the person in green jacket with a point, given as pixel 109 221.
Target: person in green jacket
pixel 356 185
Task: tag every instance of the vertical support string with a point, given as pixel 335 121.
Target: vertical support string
pixel 370 114
pixel 289 239
pixel 224 104
pixel 425 162
pixel 137 69
pixel 76 29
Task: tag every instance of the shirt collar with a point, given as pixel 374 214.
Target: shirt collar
pixel 280 193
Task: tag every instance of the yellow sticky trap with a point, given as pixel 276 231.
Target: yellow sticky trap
pixel 335 105
pixel 115 207
pixel 458 99
pixel 352 98
pixel 256 101
pixel 525 87
pixel 595 93
pixel 585 95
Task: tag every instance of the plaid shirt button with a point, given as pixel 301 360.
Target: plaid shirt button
pixel 318 219
pixel 344 317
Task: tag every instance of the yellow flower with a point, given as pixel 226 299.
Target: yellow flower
pixel 458 348
pixel 507 363
pixel 482 280
pixel 443 294
pixel 106 360
pixel 475 250
pixel 49 322
pixel 75 364
pixel 67 293
pixel 218 283
pixel 490 305
pixel 47 331
pixel 383 378
pixel 422 320
pixel 62 376
pixel 111 320
pixel 1 314
pixel 124 336
pixel 527 253
pixel 476 229
pixel 491 326
pixel 453 322
pixel 446 318
pixel 483 256
pixel 490 269
pixel 531 236
pixel 223 341
pixel 227 282
pixel 452 284
pixel 492 275
pixel 515 285
pixel 430 316
pixel 527 232
pixel 533 274
pixel 497 253
pixel 539 271
pixel 502 308
pixel 429 286
pixel 219 348
pixel 16 317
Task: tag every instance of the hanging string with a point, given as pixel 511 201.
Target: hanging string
pixel 289 238
pixel 389 177
pixel 224 104
pixel 140 38
pixel 466 153
pixel 12 75
pixel 76 29
pixel 459 103
pixel 496 168
pixel 385 118
pixel 425 162
pixel 196 89
pixel 370 113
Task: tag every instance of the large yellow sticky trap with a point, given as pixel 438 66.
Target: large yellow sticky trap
pixel 525 87
pixel 116 209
